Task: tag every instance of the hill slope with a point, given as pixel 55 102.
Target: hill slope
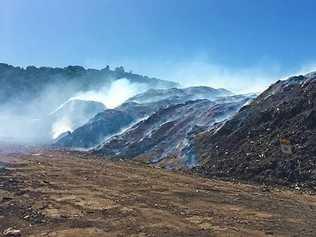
pixel 249 145
pixel 165 137
pixel 104 124
pixel 137 108
pixel 184 94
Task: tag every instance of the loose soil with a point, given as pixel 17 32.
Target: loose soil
pixel 71 194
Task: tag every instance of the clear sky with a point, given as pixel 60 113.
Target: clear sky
pixel 213 41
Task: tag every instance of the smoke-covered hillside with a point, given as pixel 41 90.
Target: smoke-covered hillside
pixel 140 107
pixel 20 84
pixel 30 97
pixel 165 138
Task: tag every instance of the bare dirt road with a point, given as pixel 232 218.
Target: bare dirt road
pixel 65 194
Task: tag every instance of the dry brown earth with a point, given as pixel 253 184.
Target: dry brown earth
pixel 65 194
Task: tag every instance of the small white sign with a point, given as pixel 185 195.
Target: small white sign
pixel 286 146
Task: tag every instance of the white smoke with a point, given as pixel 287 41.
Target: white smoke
pixel 51 113
pixel 61 126
pixel 113 96
pixel 199 70
pixel 110 96
pixel 239 80
pixel 31 121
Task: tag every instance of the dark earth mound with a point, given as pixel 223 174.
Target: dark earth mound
pixel 249 146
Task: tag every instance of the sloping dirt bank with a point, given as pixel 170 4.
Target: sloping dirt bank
pixel 65 194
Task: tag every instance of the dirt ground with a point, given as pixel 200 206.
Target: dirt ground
pixel 65 194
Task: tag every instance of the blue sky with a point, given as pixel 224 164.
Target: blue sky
pixel 213 42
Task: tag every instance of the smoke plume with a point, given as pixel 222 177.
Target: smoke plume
pixel 60 108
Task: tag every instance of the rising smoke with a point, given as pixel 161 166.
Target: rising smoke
pixel 114 95
pixel 200 71
pixel 60 108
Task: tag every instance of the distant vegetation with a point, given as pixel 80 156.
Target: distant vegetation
pixel 19 84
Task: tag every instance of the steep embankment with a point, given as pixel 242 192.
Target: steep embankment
pixel 249 146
